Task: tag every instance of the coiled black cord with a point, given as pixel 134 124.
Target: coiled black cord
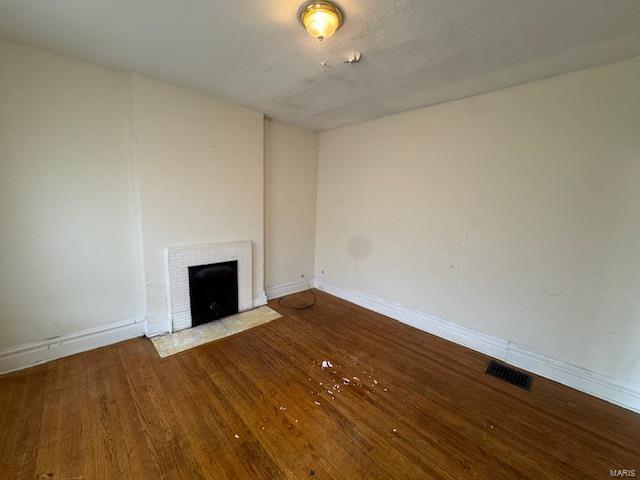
pixel 304 307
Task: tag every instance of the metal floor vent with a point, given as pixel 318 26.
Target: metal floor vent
pixel 509 375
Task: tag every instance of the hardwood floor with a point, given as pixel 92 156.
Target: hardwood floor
pixel 259 406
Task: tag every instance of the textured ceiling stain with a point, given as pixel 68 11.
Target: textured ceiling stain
pixel 255 52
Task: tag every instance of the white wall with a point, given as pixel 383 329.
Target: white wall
pixel 100 171
pixel 199 163
pixel 515 213
pixel 291 166
pixel 69 258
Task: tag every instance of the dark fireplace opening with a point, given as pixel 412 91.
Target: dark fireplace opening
pixel 213 290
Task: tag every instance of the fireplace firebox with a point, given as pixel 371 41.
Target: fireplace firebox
pixel 213 291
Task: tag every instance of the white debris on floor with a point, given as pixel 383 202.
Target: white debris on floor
pixel 283 408
pixel 237 436
pixel 331 388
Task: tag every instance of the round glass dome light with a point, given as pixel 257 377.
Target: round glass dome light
pixel 321 18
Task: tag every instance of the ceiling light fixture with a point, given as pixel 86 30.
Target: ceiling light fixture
pixel 321 18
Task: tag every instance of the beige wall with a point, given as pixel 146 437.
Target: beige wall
pixel 100 171
pixel 199 163
pixel 69 256
pixel 514 213
pixel 291 164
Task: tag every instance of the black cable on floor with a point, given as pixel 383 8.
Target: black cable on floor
pixel 304 307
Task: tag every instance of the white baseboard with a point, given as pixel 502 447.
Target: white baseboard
pixel 34 353
pixel 158 328
pixel 601 386
pixel 288 288
pixel 604 387
pixel 260 300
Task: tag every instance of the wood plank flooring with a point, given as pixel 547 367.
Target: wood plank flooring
pixel 258 405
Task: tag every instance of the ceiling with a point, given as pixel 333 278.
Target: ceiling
pixel 255 52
